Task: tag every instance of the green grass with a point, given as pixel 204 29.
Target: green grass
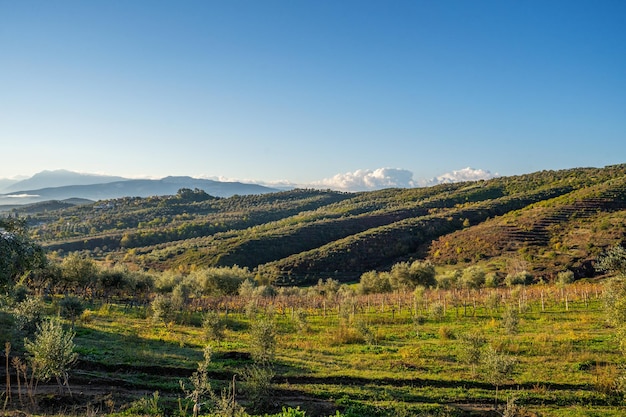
pixel 566 360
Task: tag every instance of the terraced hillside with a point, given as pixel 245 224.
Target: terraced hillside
pixel 544 222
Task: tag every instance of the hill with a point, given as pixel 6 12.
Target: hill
pixel 134 188
pixel 543 222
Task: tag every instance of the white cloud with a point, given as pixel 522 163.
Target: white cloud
pixel 370 179
pixel 21 195
pixel 367 179
pixel 465 174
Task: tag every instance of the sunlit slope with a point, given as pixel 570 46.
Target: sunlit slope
pixel 565 217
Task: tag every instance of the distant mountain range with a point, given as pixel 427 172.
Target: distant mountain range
pixel 57 178
pixel 63 185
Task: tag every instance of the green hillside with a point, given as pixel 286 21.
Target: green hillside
pixel 543 222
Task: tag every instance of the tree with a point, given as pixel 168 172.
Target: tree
pixel 198 389
pixel 613 260
pixel 213 326
pixel 263 341
pixel 71 308
pixel 405 275
pixel 498 368
pixel 510 319
pixel 78 270
pixel 472 346
pixel 18 252
pixel 373 282
pixel 473 277
pixel 52 354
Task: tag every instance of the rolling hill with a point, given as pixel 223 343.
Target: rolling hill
pixel 544 222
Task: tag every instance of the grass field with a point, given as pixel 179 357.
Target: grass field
pixel 369 356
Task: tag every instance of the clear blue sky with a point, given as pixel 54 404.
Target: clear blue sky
pixel 303 90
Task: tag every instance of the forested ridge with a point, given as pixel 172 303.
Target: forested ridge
pixel 545 222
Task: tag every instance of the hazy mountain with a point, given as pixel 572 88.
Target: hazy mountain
pixel 132 188
pixel 59 178
pixel 5 183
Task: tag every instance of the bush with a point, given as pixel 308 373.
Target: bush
pixel 263 341
pixel 510 319
pixel 565 277
pixel 51 353
pixel 373 282
pixel 162 308
pixel 71 308
pixel 471 348
pixel 448 280
pixel 28 315
pixel 405 275
pixel 518 278
pixel 220 281
pixel 473 277
pixel 437 311
pixel 446 333
pixel 213 326
pixel 257 382
pixel 497 368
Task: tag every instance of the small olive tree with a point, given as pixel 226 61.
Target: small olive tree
pixel 263 341
pixel 498 368
pixel 472 349
pixel 198 387
pixel 71 308
pixel 510 319
pixel 51 353
pixel 257 378
pixel 614 261
pixel 213 326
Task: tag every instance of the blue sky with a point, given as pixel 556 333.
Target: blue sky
pixel 311 91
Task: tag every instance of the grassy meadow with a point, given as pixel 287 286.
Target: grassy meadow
pixel 370 355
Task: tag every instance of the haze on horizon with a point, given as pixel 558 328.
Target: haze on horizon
pixel 359 93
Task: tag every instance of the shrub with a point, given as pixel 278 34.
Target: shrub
pixel 28 314
pixel 213 326
pixel 471 349
pixel 198 388
pixel 257 382
pixel 220 281
pixel 300 319
pixel 162 308
pixel 51 353
pixel 263 341
pixel 405 275
pixel 448 280
pixel 510 319
pixel 366 332
pixel 446 333
pixel 437 311
pixel 498 368
pixel 518 278
pixel 565 277
pixel 373 282
pixel 473 277
pixel 71 308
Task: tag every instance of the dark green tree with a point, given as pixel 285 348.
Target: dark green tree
pixel 18 252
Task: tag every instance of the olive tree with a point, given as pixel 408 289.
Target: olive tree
pixel 405 275
pixel 51 353
pixel 498 368
pixel 614 261
pixel 18 252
